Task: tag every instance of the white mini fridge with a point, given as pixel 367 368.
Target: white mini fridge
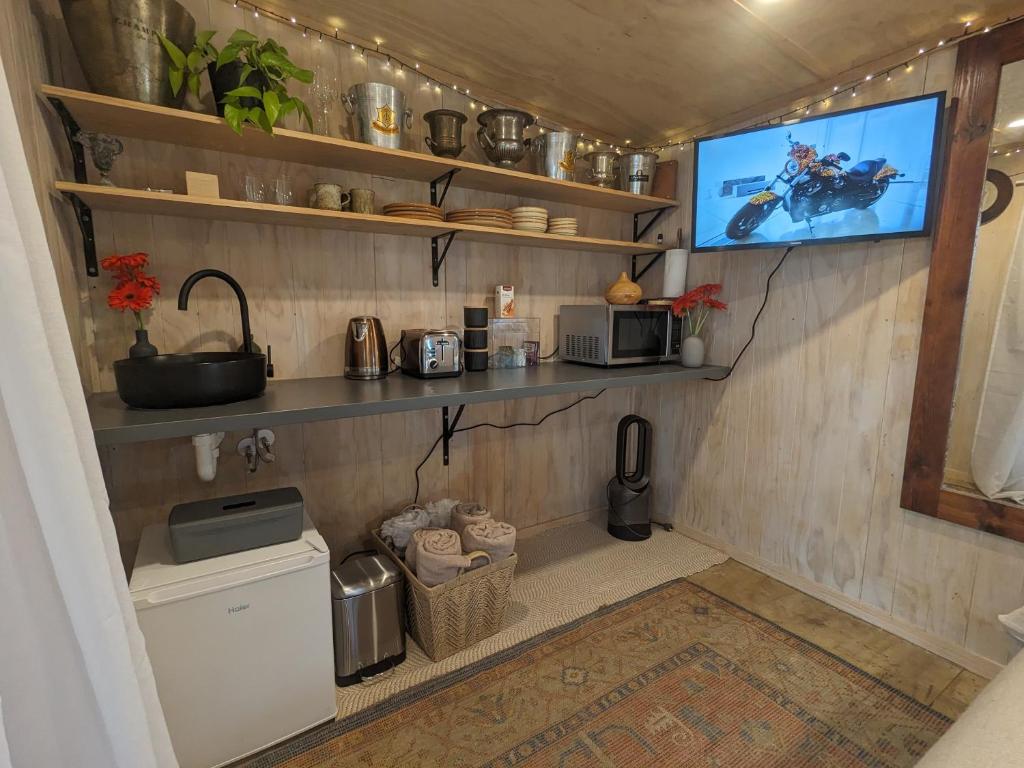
pixel 241 645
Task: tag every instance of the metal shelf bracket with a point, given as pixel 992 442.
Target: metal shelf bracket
pixel 638 233
pixel 437 255
pixel 655 258
pixel 71 130
pixel 83 213
pixel 448 429
pixel 447 179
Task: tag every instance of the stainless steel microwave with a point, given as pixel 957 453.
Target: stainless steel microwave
pixel 618 334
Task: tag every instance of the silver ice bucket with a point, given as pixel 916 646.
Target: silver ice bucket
pixel 557 154
pixel 636 172
pixel 118 48
pixel 379 113
pixel 603 170
pixel 501 135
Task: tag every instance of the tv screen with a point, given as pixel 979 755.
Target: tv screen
pixel 861 174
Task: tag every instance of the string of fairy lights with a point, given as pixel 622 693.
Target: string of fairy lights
pixel 848 89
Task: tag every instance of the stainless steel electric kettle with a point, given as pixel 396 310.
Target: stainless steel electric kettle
pixel 366 351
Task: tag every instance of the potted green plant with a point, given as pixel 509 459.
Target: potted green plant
pixel 249 78
pixel 186 68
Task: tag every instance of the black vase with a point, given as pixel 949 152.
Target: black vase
pixel 227 78
pixel 142 347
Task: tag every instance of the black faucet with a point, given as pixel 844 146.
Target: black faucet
pixel 195 277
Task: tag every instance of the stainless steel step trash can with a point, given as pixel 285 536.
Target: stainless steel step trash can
pixel 368 605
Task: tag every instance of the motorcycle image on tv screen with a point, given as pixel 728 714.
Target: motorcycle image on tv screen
pixel 862 174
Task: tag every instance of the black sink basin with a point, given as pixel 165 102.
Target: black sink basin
pixel 190 380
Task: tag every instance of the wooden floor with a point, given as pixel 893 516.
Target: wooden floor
pixel 930 679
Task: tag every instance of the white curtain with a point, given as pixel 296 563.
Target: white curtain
pixel 76 688
pixel 997 457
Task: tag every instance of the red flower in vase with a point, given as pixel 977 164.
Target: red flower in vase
pixel 130 295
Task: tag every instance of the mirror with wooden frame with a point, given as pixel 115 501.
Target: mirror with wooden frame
pixel 965 449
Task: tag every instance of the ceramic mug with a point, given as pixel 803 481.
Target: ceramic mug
pixel 329 197
pixel 362 201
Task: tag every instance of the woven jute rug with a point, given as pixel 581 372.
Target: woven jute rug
pixel 675 677
pixel 563 574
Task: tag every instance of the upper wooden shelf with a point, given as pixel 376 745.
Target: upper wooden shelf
pixel 124 200
pixel 105 114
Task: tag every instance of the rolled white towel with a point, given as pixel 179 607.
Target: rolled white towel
pixel 414 540
pixel 467 512
pixel 397 530
pixel 496 539
pixel 439 557
pixel 441 512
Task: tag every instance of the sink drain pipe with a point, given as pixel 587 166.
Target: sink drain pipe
pixel 207 448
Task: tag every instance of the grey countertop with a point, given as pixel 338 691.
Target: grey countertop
pixel 322 399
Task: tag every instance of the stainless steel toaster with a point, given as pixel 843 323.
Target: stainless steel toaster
pixel 431 354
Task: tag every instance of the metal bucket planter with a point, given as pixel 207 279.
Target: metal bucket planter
pixel 557 151
pixel 603 170
pixel 445 139
pixel 379 113
pixel 636 172
pixel 501 135
pixel 117 45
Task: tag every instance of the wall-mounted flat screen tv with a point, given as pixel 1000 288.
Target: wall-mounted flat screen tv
pixel 861 174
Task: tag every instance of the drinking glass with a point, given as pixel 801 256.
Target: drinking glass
pixel 255 189
pixel 283 194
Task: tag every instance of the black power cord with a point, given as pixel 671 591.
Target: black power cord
pixel 537 423
pixel 753 326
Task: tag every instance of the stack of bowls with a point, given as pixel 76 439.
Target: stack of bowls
pixel 562 226
pixel 529 218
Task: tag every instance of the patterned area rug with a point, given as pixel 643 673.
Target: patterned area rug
pixel 675 677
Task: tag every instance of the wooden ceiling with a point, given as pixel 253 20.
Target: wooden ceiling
pixel 650 70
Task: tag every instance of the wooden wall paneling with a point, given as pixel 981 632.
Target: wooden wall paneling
pixel 866 408
pixel 844 333
pixel 886 519
pixel 935 575
pixel 819 268
pixel 784 331
pixel 998 589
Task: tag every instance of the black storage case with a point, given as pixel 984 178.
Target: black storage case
pixel 215 527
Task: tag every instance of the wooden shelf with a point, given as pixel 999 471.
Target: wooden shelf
pixel 120 117
pixel 167 204
pixel 324 399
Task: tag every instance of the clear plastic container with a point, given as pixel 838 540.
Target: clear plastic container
pixel 514 342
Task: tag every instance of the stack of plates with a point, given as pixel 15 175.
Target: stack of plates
pixel 562 226
pixel 414 211
pixel 529 218
pixel 482 217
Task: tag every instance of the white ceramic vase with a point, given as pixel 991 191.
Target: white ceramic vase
pixel 692 352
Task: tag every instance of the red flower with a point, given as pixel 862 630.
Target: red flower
pixel 132 296
pixel 697 304
pixel 134 260
pixel 147 281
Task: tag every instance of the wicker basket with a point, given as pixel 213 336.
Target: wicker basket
pixel 452 616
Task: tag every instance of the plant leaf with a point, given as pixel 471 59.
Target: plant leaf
pixel 204 37
pixel 305 112
pixel 241 36
pixel 272 106
pixel 246 71
pixel 227 54
pixel 287 107
pixel 194 60
pixel 259 118
pixel 174 52
pixel 234 116
pixel 193 83
pixel 176 76
pixel 303 75
pixel 244 91
pixel 272 59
